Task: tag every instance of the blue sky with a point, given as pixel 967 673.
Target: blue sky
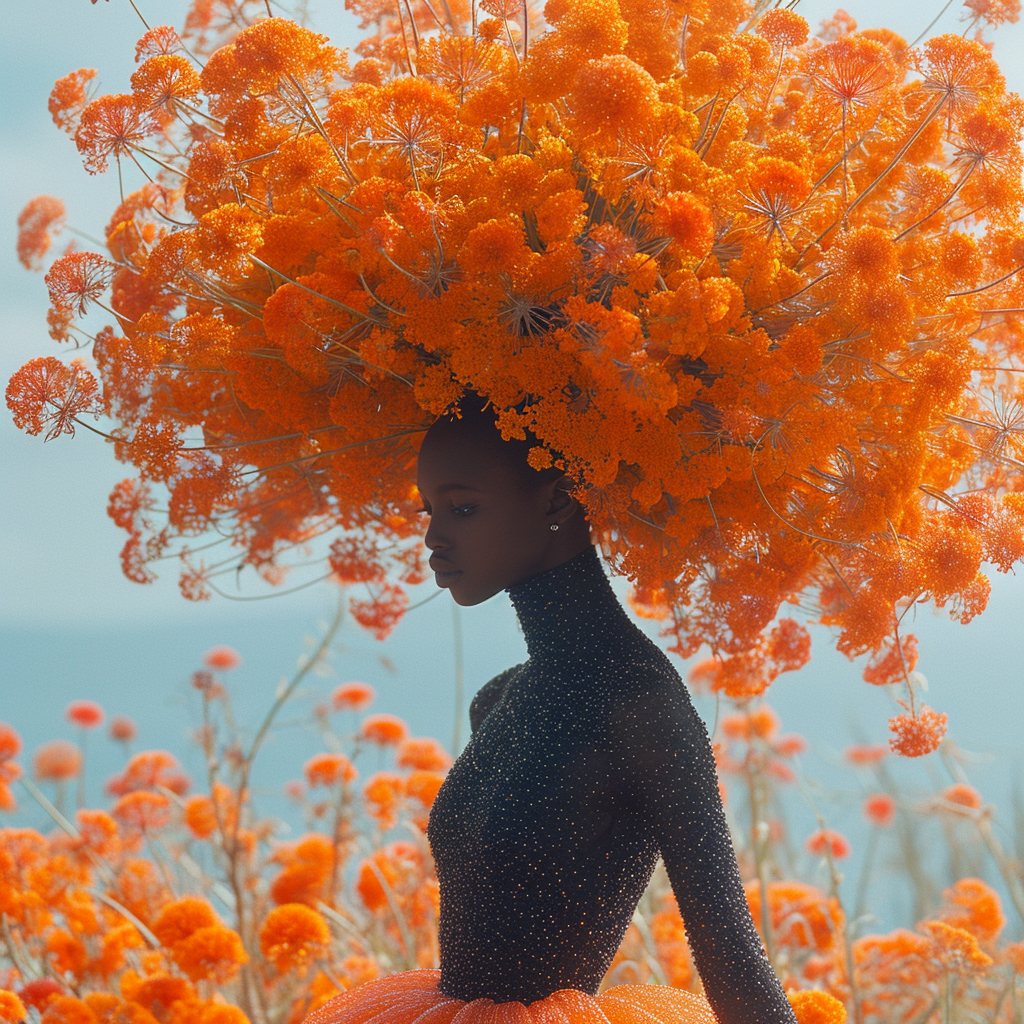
pixel 73 626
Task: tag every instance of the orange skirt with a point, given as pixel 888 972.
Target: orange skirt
pixel 412 998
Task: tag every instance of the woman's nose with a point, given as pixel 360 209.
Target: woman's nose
pixel 432 539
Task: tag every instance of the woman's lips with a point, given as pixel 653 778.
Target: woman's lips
pixel 442 575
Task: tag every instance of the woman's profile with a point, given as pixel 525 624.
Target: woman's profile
pixel 586 763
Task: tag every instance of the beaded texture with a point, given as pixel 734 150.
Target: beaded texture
pixel 586 762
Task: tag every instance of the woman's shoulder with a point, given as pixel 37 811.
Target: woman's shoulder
pixel 489 694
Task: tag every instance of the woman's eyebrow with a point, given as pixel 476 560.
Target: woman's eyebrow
pixel 445 488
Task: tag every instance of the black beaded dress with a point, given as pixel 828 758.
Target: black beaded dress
pixel 586 763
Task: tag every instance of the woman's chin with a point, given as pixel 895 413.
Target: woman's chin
pixel 463 593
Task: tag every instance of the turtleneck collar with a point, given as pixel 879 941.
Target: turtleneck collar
pixel 570 608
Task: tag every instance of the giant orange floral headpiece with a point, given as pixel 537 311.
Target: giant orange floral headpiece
pixel 760 292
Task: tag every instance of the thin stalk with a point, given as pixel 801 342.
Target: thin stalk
pixel 1006 869
pixel 460 676
pixel 757 846
pixel 865 873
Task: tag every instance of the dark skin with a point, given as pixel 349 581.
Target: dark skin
pixel 490 525
pixel 586 762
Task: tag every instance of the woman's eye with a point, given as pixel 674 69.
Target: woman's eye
pixel 463 510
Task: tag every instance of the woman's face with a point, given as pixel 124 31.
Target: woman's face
pixel 489 529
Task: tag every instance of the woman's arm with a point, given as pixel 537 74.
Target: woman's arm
pixel 668 754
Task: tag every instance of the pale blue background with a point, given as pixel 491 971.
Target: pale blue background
pixel 72 626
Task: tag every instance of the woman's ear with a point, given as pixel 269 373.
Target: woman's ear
pixel 561 504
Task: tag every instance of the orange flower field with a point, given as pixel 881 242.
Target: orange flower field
pixel 757 290
pixel 179 902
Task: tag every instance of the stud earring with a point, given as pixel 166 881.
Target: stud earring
pixel 554 526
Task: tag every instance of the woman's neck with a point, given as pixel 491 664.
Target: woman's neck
pixel 570 609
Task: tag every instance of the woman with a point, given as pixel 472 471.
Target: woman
pixel 586 762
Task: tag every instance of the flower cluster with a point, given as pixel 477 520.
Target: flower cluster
pixel 757 292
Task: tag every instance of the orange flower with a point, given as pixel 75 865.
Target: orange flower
pixel 86 714
pixel 37 220
pixel 292 936
pixel 892 662
pixel 45 392
pixel 68 99
pixel 178 920
pixel 423 753
pixel 56 761
pixel 122 729
pixel 111 126
pixel 10 742
pixel 222 658
pixel 39 993
pixel 149 769
pixel 309 867
pixel 801 916
pixel 222 1013
pixel 687 221
pixel 384 730
pixel 866 753
pixel 879 809
pixel 211 953
pixel 783 27
pixel 956 949
pixel 974 906
pixel 962 798
pixel 383 793
pixel 423 786
pixel 10 747
pixel 143 811
pixel 12 1009
pixel 917 735
pixel 68 1010
pixel 813 1007
pixel 329 770
pixel 825 842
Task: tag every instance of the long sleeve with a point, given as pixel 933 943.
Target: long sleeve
pixel 667 752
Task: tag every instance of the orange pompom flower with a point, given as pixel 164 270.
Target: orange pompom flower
pixel 179 919
pixel 815 1007
pixel 68 1010
pixel 384 730
pixel 329 770
pixel 292 936
pixel 956 949
pixel 917 735
pixel 10 742
pixel 86 714
pixel 353 696
pixel 211 953
pixel 122 729
pixel 865 754
pixel 222 658
pixel 879 809
pixel 962 798
pixel 783 27
pixel 12 1009
pixel 827 843
pixel 423 785
pixel 40 993
pixel 57 761
pixel 41 218
pixel 422 752
pixel 143 811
